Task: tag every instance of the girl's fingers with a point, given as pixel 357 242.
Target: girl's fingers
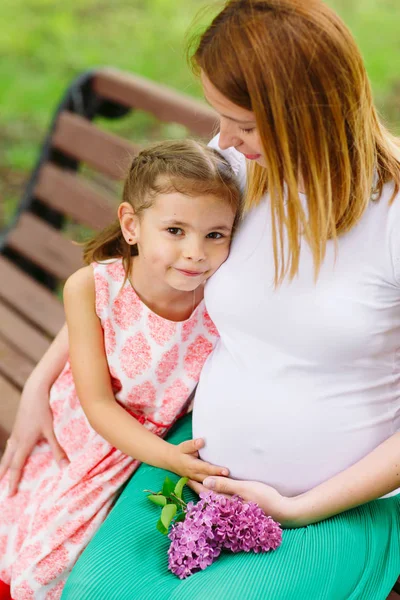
pixel 191 446
pixel 199 478
pixel 199 470
pixel 59 455
pixel 206 468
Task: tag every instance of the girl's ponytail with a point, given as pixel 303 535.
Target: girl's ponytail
pixel 108 243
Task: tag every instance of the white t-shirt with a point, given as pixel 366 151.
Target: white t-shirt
pixel 305 379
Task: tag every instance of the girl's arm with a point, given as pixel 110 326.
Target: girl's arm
pixel 34 418
pixel 375 475
pixel 93 384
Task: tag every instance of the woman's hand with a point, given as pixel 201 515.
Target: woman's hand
pixel 280 508
pixel 184 461
pixel 34 421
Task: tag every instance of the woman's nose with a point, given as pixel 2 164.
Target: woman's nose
pixel 227 137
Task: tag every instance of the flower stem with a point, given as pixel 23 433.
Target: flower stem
pixel 181 502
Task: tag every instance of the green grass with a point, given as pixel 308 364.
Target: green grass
pixel 44 44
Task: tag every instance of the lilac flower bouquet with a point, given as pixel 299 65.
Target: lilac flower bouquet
pixel 199 532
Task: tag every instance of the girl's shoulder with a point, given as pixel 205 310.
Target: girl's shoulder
pixel 80 282
pixel 99 281
pixel 79 290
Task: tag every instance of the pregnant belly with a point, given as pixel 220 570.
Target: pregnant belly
pixel 282 430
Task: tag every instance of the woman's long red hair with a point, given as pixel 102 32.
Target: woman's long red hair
pixel 297 67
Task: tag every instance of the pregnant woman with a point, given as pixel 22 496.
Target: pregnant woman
pixel 301 397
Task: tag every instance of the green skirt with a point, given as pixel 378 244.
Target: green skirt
pixel 353 556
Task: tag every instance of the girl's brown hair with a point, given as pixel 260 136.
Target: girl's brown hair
pixel 297 67
pixel 184 166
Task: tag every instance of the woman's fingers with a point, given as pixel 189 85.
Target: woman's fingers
pixel 59 455
pixel 14 460
pixel 6 458
pixel 223 485
pixel 196 486
pixel 15 468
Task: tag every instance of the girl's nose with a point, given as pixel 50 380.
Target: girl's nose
pixel 194 250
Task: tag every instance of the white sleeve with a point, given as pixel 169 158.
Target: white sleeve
pixel 235 159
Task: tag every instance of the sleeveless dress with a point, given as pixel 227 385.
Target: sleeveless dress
pixel 154 365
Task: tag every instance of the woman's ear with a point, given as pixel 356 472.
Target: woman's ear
pixel 129 223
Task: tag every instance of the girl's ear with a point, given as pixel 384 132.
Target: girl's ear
pixel 129 223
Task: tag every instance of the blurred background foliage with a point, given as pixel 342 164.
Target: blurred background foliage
pixel 44 44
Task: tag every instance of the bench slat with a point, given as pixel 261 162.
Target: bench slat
pixel 21 334
pixel 8 409
pixel 104 151
pixel 45 246
pixel 30 298
pixel 69 194
pixel 13 365
pixel 164 103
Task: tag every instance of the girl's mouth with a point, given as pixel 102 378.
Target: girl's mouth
pixel 191 273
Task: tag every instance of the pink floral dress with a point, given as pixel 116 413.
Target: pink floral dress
pixel 155 365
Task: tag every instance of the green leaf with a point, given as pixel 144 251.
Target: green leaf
pixel 180 485
pixel 158 499
pixel 175 501
pixel 168 487
pixel 181 517
pixel 161 528
pixel 167 514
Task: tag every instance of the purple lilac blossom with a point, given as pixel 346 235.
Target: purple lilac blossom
pixel 216 523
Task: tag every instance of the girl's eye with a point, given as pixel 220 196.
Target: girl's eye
pixel 175 230
pixel 246 130
pixel 214 235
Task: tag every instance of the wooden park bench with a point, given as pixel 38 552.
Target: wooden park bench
pixel 35 254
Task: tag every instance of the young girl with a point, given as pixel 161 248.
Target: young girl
pixel 139 335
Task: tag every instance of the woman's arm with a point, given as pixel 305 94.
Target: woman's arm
pixel 34 418
pixel 376 475
pixel 93 384
pixel 51 364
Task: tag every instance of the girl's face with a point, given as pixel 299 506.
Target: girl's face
pixel 182 240
pixel 237 125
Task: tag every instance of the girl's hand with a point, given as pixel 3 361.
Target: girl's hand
pixel 34 421
pixel 184 461
pixel 280 508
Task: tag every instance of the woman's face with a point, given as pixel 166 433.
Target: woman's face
pixel 237 125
